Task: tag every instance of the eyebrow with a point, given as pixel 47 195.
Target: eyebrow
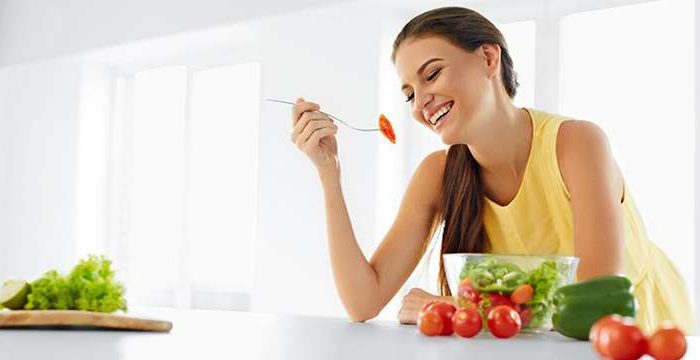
pixel 420 70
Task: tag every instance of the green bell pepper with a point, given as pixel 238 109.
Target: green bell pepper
pixel 579 306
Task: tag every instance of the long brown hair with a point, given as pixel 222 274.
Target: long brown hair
pixel 462 207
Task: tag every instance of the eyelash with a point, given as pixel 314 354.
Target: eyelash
pixel 431 77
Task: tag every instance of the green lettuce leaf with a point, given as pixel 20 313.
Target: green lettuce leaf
pixel 90 286
pixel 545 279
pixel 49 292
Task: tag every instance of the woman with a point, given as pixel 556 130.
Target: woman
pixel 513 181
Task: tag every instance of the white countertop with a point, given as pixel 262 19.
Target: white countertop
pixel 199 334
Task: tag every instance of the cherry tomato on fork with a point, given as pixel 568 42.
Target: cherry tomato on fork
pixel 386 128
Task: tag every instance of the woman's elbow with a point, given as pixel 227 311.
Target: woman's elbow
pixel 360 317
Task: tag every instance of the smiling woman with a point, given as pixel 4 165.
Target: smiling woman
pixel 513 180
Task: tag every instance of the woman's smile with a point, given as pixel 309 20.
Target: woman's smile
pixel 440 121
pixel 439 115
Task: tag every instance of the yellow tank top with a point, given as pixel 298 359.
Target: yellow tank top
pixel 539 221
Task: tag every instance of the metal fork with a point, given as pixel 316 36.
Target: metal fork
pixel 329 115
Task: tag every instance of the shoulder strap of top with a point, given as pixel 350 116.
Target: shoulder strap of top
pixel 548 128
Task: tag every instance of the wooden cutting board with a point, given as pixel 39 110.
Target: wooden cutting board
pixel 79 319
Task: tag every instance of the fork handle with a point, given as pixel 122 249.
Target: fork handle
pixel 329 115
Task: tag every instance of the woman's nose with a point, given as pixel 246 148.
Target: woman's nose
pixel 421 102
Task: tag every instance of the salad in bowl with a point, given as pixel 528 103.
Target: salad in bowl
pixel 525 283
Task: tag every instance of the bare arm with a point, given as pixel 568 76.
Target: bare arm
pixel 366 287
pixel 595 185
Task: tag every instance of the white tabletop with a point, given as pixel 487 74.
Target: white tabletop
pixel 199 334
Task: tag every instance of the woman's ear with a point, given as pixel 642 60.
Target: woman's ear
pixel 492 57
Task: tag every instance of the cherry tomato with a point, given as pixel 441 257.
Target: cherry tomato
pixel 599 325
pixel 386 128
pixel 525 316
pixel 430 323
pixel 467 322
pixel 522 294
pixel 622 340
pixel 466 292
pixel 497 299
pixel 667 343
pixel 445 311
pixel 504 322
pixel 426 306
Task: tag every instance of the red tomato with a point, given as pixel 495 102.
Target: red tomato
pixel 525 316
pixel 467 322
pixel 445 311
pixel 426 306
pixel 430 323
pixel 622 340
pixel 599 325
pixel 499 299
pixel 667 343
pixel 386 128
pixel 466 291
pixel 522 294
pixel 504 322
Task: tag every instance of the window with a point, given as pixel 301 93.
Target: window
pixel 187 189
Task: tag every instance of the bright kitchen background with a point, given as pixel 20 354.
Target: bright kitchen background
pixel 136 129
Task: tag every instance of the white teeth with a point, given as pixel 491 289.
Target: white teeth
pixel 443 110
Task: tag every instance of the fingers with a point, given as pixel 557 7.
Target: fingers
pixel 417 291
pixel 409 313
pixel 302 106
pixel 317 135
pixel 312 128
pixel 311 132
pixel 408 319
pixel 304 121
pixel 411 304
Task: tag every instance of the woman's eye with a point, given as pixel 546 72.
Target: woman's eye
pixel 433 75
pixel 430 78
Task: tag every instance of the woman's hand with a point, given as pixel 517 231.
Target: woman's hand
pixel 414 301
pixel 314 134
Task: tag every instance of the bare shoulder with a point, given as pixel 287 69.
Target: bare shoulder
pixel 574 133
pixel 427 179
pixel 583 149
pixel 435 161
pixel 581 140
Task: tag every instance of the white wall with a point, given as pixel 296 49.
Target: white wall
pixel 39 29
pixel 38 112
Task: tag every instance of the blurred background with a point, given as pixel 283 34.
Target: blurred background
pixel 137 129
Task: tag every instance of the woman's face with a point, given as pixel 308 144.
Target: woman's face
pixel 438 76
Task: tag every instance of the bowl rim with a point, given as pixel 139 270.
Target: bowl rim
pixel 570 258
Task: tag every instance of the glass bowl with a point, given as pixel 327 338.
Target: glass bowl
pixel 493 278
